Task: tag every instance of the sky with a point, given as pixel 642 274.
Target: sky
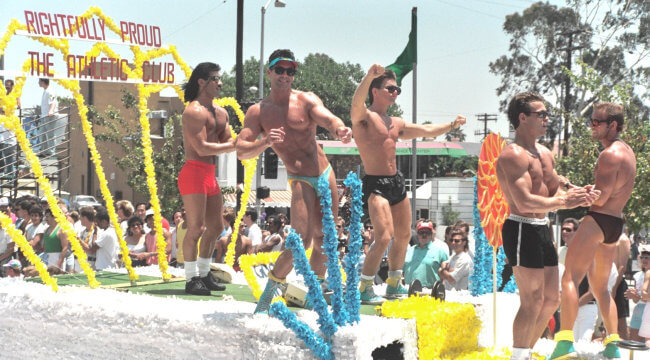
pixel 456 42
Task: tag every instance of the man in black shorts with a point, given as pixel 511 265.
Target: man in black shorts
pixel 526 173
pixel 376 134
pixel 595 241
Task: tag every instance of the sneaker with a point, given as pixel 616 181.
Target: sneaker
pixel 273 288
pixel 394 292
pixel 611 351
pixel 212 283
pixel 197 287
pixel 368 297
pixel 563 350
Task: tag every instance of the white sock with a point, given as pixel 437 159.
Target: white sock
pixel 520 353
pixel 395 274
pixel 367 277
pixel 204 266
pixel 190 270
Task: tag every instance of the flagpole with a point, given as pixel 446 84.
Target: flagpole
pixel 414 156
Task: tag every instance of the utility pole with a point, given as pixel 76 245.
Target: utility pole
pixel 484 118
pixel 566 105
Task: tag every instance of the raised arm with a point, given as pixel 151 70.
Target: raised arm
pixel 358 110
pixel 324 118
pixel 194 121
pixel 411 131
pixel 247 144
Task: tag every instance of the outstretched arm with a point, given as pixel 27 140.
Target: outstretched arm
pixel 411 131
pixel 247 144
pixel 324 118
pixel 359 111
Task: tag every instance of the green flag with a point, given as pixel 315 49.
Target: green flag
pixel 404 63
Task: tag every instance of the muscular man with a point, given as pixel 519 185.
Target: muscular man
pixel 376 134
pixel 287 120
pixel 595 241
pixel 206 133
pixel 526 173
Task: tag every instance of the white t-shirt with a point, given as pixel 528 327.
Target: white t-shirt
pixel 276 247
pixel 255 234
pixel 462 264
pixel 32 230
pixel 639 278
pixel 108 246
pixel 48 98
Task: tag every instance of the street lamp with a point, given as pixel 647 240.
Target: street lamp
pixel 258 172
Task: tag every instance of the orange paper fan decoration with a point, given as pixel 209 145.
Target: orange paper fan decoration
pixel 492 205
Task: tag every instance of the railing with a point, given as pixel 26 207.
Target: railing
pixel 49 138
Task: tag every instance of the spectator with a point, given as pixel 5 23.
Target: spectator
pixel 181 230
pixel 272 242
pixel 34 232
pixel 424 259
pixel 254 231
pixel 9 86
pixel 242 246
pixel 124 212
pixel 52 123
pixel 55 242
pixel 367 236
pixel 106 246
pixel 455 272
pixel 448 231
pixel 587 317
pixel 221 246
pixel 151 241
pixel 286 226
pixel 436 242
pixel 13 269
pixel 342 237
pixel 636 293
pixel 7 152
pixel 22 215
pixel 177 218
pixel 622 254
pixel 5 207
pixel 87 236
pixel 569 228
pixel 135 241
pixel 6 249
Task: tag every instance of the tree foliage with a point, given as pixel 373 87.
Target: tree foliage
pixel 610 36
pixel 168 159
pixel 333 82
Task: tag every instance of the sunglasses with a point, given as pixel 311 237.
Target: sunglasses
pixel 392 88
pixel 281 70
pixel 369 227
pixel 456 240
pixel 645 257
pixel 338 226
pixel 542 114
pixel 214 78
pixel 596 122
pixel 425 232
pixel 567 229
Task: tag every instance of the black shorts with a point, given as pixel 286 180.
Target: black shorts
pixel 528 245
pixel 390 188
pixel 622 305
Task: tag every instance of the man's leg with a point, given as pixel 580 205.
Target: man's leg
pixel 598 278
pixel 213 227
pixel 550 303
pixel 530 282
pixel 382 221
pixel 318 260
pixel 401 215
pixel 579 257
pixel 194 219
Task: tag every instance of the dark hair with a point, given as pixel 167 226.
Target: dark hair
pixel 36 210
pixel 74 215
pixel 521 104
pixel 102 215
pixel 378 81
pixel 45 81
pixel 281 53
pixel 229 215
pixel 457 232
pixel 274 220
pixel 133 220
pixel 88 212
pixel 461 224
pixel 202 71
pixel 146 206
pixel 25 204
pixel 252 214
pixel 614 113
pixel 573 221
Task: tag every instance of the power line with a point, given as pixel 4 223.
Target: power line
pixel 472 10
pixel 196 19
pixel 484 118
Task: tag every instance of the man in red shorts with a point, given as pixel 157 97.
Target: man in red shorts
pixel 206 133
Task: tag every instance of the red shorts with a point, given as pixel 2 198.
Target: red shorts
pixel 198 178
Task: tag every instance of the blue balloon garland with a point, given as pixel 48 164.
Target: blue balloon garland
pixel 330 244
pixel 315 343
pixel 352 295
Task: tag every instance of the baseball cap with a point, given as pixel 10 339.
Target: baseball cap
pixel 148 212
pixel 644 248
pixel 14 264
pixel 278 59
pixel 425 225
pixel 4 201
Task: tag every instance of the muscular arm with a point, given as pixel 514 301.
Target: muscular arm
pixel 358 110
pixel 194 127
pixel 512 172
pixel 324 118
pixel 247 144
pixel 411 131
pixel 606 169
pixel 267 246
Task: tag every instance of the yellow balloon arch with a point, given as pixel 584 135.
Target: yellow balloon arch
pixel 12 123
